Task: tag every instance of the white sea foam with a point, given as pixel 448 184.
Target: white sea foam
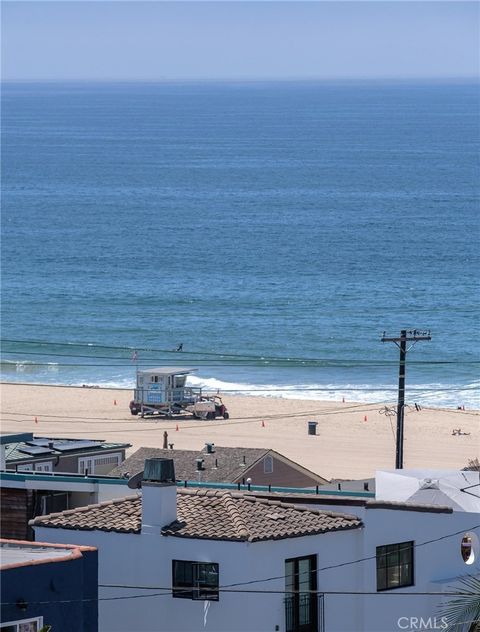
pixel 438 394
pixel 25 366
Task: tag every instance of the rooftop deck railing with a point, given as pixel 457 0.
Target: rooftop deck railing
pixel 105 478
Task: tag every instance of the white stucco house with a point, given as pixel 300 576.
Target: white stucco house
pixel 173 559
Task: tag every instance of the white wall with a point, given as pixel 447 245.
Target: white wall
pixel 146 560
pixel 435 564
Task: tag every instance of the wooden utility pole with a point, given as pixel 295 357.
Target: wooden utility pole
pixel 412 336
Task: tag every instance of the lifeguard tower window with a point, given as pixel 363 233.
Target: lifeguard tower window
pixel 180 381
pixel 154 378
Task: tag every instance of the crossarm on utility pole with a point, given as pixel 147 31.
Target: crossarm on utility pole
pixel 405 336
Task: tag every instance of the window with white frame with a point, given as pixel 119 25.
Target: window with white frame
pixel 45 466
pixel 268 465
pixel 23 625
pixel 99 464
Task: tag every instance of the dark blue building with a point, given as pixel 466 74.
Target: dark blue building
pixel 46 585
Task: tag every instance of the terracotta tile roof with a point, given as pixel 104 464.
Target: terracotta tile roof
pixel 216 514
pixel 208 514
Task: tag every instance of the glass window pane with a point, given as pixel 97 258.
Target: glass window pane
pixel 206 581
pixel 31 626
pixel 393 558
pixel 208 574
pixel 381 560
pixel 304 568
pixel 381 578
pixel 289 576
pixel 393 576
pixel 406 575
pixel 395 565
pixel 406 553
pixel 182 579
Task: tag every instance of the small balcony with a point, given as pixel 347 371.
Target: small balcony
pixel 304 613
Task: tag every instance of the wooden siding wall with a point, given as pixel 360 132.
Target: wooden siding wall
pixel 16 510
pixel 283 475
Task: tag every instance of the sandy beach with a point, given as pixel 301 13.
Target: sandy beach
pixel 346 446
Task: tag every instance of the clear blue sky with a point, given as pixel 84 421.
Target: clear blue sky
pixel 238 40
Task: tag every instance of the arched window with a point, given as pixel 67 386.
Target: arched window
pixel 268 465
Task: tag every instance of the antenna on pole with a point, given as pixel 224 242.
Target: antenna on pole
pixel 413 336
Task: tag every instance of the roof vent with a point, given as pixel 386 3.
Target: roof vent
pixel 199 463
pixel 429 483
pixel 210 448
pixel 159 470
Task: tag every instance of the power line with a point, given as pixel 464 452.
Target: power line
pixel 50 419
pixel 361 407
pixel 214 354
pixel 168 591
pixel 330 362
pixel 365 559
pixel 318 570
pixel 364 407
pixel 266 389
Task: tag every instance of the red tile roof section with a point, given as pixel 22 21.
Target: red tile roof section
pixel 208 514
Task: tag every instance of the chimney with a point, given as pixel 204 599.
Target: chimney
pixel 159 495
pixel 199 463
pixel 210 448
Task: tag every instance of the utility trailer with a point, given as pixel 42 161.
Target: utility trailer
pixel 162 391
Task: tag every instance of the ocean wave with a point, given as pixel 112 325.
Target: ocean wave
pixel 433 394
pixel 23 366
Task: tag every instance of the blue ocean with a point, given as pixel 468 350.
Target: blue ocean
pixel 275 230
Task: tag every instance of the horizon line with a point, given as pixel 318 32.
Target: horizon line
pixel 266 79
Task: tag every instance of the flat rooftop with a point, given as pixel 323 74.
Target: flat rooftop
pixel 18 437
pixel 14 553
